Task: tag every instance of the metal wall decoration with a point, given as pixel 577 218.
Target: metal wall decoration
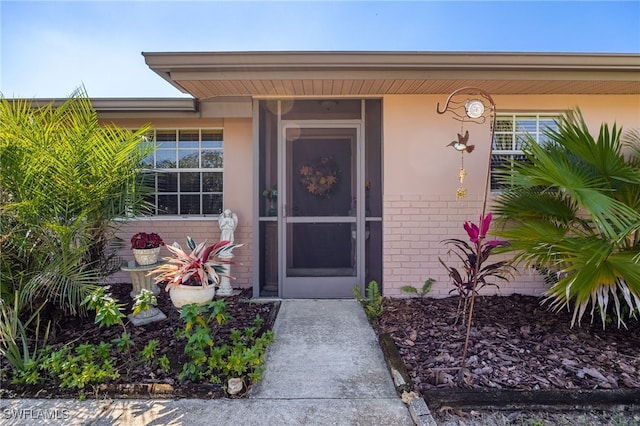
pixel 469 105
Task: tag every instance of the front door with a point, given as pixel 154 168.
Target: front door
pixel 321 247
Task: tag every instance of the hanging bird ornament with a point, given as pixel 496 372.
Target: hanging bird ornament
pixel 461 143
pixel 461 146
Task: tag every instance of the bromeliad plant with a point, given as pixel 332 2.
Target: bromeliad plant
pixel 202 267
pixel 474 273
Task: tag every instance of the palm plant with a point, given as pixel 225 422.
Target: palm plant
pixel 65 177
pixel 574 208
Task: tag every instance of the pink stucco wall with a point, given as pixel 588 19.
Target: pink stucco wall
pixel 420 182
pixel 421 178
pixel 177 230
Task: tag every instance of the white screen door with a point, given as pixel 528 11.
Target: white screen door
pixel 321 251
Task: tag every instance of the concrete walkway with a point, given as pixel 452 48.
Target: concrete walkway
pixel 325 368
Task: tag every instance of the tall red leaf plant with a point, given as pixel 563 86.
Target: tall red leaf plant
pixel 474 273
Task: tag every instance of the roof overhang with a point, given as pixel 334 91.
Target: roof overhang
pixel 129 104
pixel 309 74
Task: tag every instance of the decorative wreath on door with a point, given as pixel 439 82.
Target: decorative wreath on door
pixel 320 177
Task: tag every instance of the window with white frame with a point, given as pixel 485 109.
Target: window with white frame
pixel 188 165
pixel 510 133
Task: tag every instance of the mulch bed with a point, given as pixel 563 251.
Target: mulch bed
pixel 146 379
pixel 516 344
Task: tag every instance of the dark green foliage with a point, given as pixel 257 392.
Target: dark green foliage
pixel 211 362
pixel 572 210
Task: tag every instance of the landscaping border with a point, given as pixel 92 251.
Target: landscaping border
pixel 154 390
pixel 506 399
pixel 544 399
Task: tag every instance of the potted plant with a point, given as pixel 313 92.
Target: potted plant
pixel 271 195
pixel 146 247
pixel 191 278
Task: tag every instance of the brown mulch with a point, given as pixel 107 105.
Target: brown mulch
pixel 144 375
pixel 516 343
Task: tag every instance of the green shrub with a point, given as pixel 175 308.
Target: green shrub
pixel 80 366
pixel 572 209
pixel 65 177
pixel 215 363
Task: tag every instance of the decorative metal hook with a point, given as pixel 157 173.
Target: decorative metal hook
pixel 469 104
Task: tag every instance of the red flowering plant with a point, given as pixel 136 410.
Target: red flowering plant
pixel 143 240
pixel 474 272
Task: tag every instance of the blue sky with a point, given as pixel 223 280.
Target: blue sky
pixel 49 48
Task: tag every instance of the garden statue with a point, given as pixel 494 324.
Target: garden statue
pixel 228 222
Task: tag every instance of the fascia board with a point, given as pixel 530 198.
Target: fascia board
pixel 449 74
pixel 283 61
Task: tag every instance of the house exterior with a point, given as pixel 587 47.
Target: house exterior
pixel 355 146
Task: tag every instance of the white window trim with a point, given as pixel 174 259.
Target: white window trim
pixel 515 116
pixel 177 130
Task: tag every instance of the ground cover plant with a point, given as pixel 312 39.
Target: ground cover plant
pixel 194 352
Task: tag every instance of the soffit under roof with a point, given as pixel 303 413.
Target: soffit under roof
pixel 307 74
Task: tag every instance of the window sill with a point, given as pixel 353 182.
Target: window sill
pixel 169 218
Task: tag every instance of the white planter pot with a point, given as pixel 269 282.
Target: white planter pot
pixel 185 294
pixel 146 256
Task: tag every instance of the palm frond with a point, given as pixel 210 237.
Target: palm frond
pixel 573 207
pixel 65 178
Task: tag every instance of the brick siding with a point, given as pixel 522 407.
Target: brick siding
pixel 414 227
pixel 200 230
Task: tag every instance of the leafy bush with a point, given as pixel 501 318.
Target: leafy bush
pixel 208 361
pixel 573 209
pixel 65 177
pixel 80 366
